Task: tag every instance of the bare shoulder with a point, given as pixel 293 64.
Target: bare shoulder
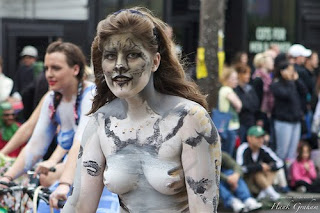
pixel 197 124
pixel 192 109
pixel 113 108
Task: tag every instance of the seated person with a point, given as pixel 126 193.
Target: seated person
pixel 303 172
pixel 8 127
pixel 259 164
pixel 234 191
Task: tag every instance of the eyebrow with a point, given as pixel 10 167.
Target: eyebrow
pixel 125 49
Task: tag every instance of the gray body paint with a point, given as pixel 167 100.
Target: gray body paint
pixel 142 136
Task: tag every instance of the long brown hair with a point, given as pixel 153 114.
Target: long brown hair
pixel 169 79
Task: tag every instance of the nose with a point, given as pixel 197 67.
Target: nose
pixel 120 68
pixel 121 65
pixel 48 72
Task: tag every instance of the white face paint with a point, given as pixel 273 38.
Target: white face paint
pixel 127 65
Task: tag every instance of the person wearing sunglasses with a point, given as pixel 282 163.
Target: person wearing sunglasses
pixel 8 126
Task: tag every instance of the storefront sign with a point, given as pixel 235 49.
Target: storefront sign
pixel 265 36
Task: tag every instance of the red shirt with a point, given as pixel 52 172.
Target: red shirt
pixel 13 154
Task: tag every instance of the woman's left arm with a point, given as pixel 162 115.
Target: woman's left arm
pixel 201 160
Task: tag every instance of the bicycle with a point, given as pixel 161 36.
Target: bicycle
pixel 24 199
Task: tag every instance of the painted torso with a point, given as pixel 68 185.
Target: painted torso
pixel 144 158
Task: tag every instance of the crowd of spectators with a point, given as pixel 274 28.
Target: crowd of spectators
pixel 275 121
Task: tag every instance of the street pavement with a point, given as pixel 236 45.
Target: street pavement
pixel 291 202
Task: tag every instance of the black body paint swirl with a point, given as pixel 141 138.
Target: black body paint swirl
pixel 80 152
pixel 216 171
pixel 93 168
pixel 215 203
pixel 198 187
pixel 155 140
pixel 213 138
pixel 183 114
pixel 194 141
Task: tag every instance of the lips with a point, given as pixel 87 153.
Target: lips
pixel 121 80
pixel 52 83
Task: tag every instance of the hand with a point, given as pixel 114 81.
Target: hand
pixel 286 75
pixel 233 181
pixel 44 167
pixel 5 180
pixel 265 167
pixel 60 193
pixel 306 166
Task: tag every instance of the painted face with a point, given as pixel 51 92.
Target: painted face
pixel 127 65
pixel 58 73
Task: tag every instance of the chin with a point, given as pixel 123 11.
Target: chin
pixel 125 93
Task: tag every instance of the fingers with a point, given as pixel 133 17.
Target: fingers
pixel 41 170
pixel 59 194
pixel 54 200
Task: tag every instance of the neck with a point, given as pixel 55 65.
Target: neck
pixel 70 91
pixel 144 103
pixel 253 148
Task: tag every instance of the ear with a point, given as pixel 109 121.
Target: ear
pixel 156 62
pixel 76 70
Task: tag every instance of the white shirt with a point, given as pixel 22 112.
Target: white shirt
pixel 6 85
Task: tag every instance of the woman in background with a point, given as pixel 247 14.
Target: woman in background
pixel 229 102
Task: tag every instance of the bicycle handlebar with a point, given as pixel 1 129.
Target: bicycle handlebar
pixel 44 193
pixel 61 203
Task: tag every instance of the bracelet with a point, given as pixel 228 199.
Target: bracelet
pixel 9 177
pixel 65 183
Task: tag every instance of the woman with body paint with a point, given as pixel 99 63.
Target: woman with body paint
pixel 150 139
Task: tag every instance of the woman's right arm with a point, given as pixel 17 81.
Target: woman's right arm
pixel 24 132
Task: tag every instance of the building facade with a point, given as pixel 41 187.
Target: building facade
pixel 250 25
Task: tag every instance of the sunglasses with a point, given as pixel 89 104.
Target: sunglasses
pixel 8 114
